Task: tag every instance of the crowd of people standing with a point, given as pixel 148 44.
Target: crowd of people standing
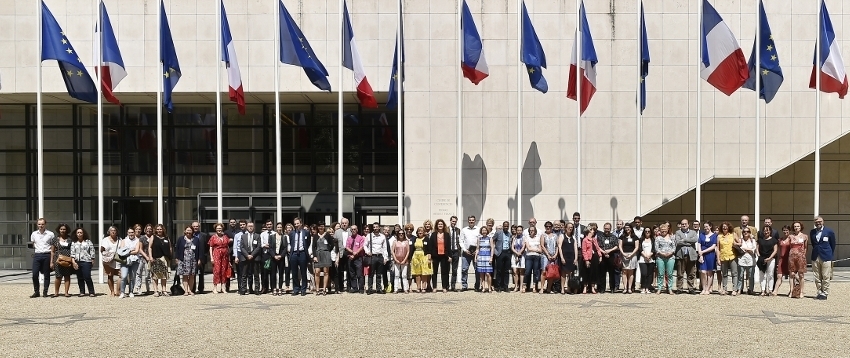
pixel 563 257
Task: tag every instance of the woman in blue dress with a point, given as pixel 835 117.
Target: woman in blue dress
pixel 484 259
pixel 707 257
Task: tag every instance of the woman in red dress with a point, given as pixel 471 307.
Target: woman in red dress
pixel 220 258
pixel 782 264
pixel 797 259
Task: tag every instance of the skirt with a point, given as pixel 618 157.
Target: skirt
pixel 518 262
pixel 419 265
pixel 324 257
pixel 159 269
pixel 568 265
pixel 630 264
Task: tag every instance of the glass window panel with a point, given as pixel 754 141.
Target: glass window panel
pixel 12 138
pixel 111 185
pixel 14 115
pixel 325 162
pixel 58 211
pixel 89 163
pixel 326 183
pixel 58 162
pixel 88 114
pixel 13 162
pixel 59 186
pixel 245 163
pixel 54 115
pixel 58 138
pixel 13 186
pixel 245 138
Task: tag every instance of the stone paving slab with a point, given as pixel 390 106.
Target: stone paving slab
pixel 430 325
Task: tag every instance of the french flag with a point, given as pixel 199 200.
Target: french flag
pixel 111 64
pixel 474 65
pixel 351 60
pixel 723 63
pixel 228 55
pixel 833 76
pixel 587 65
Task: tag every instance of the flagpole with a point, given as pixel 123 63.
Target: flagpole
pixel 159 176
pixel 218 160
pixel 277 141
pixel 459 129
pixel 519 71
pixel 339 113
pixel 638 106
pixel 578 104
pixel 758 116
pixel 699 117
pixel 819 65
pixel 99 56
pixel 39 130
pixel 399 109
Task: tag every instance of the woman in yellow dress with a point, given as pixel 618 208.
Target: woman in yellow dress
pixel 420 266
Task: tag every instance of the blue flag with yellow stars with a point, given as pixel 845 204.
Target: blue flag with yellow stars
pixel 296 50
pixel 168 56
pixel 532 54
pixel 769 69
pixel 55 46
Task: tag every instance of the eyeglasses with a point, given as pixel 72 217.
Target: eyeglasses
pixel 746 231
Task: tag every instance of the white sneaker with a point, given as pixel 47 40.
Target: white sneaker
pixel 122 296
pixel 131 295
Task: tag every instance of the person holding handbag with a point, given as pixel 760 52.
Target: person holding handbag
pixel 484 259
pixel 160 251
pixel 108 249
pixel 128 256
pixel 83 253
pixel 549 262
pixel 61 260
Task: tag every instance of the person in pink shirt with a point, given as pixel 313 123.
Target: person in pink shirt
pixel 592 254
pixel 355 252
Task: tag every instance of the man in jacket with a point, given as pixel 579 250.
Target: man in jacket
pixel 299 244
pixel 354 251
pixel 502 252
pixel 823 249
pixel 686 256
pixel 250 249
pixel 610 245
pixel 204 239
pixel 341 264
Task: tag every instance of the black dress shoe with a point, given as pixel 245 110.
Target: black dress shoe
pixel 303 293
pixel 381 292
pixel 369 292
pixel 35 295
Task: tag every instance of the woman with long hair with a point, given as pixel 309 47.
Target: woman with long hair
pixel 782 271
pixel 143 271
pixel 567 255
pixel 420 264
pixel 440 246
pixel 707 257
pixel 726 241
pixel 220 258
pixel 161 252
pixel 83 252
pixel 629 249
pixel 322 245
pixel 128 254
pixel 518 259
pixel 61 245
pixel 647 260
pixel 797 259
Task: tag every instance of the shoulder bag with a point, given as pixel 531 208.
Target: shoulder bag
pixel 176 288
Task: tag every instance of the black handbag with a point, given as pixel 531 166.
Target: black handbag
pixel 176 288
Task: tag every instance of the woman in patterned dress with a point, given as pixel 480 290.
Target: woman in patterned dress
pixel 518 258
pixel 797 259
pixel 108 247
pixel 61 245
pixel 484 259
pixel 83 253
pixel 187 259
pixel 220 258
pixel 322 245
pixel 161 253
pixel 782 263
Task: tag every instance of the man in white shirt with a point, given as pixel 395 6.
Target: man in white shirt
pixel 376 254
pixel 40 240
pixel 265 236
pixel 237 240
pixel 341 264
pixel 469 244
pixel 454 255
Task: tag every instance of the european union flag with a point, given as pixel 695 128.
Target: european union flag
pixel 168 56
pixel 532 54
pixel 295 50
pixel 55 46
pixel 644 60
pixel 397 76
pixel 769 69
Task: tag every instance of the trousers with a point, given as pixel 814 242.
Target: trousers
pixel 822 271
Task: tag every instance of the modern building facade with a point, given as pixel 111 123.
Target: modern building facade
pixel 608 164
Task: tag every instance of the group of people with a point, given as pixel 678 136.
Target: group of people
pixel 563 257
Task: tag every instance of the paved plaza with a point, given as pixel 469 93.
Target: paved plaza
pixel 430 325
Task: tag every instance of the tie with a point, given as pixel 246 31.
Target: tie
pixel 454 239
pixel 298 242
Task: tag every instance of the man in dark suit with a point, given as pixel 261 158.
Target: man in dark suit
pixel 823 249
pixel 503 253
pixel 454 254
pixel 204 239
pixel 250 249
pixel 299 242
pixel 773 232
pixel 267 238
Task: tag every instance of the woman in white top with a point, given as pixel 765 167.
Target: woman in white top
pixel 549 244
pixel 646 261
pixel 108 247
pixel 129 264
pixel 746 263
pixel 532 259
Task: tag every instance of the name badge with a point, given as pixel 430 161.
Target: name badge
pixel 824 238
pixel 606 242
pixel 630 239
pixel 707 239
pixel 193 247
pixel 326 241
pixel 165 241
pixel 255 242
pixel 63 243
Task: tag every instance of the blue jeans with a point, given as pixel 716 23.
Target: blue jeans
pixel 749 271
pixel 464 271
pixel 665 267
pixel 41 264
pixel 532 267
pixel 84 277
pixel 128 275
